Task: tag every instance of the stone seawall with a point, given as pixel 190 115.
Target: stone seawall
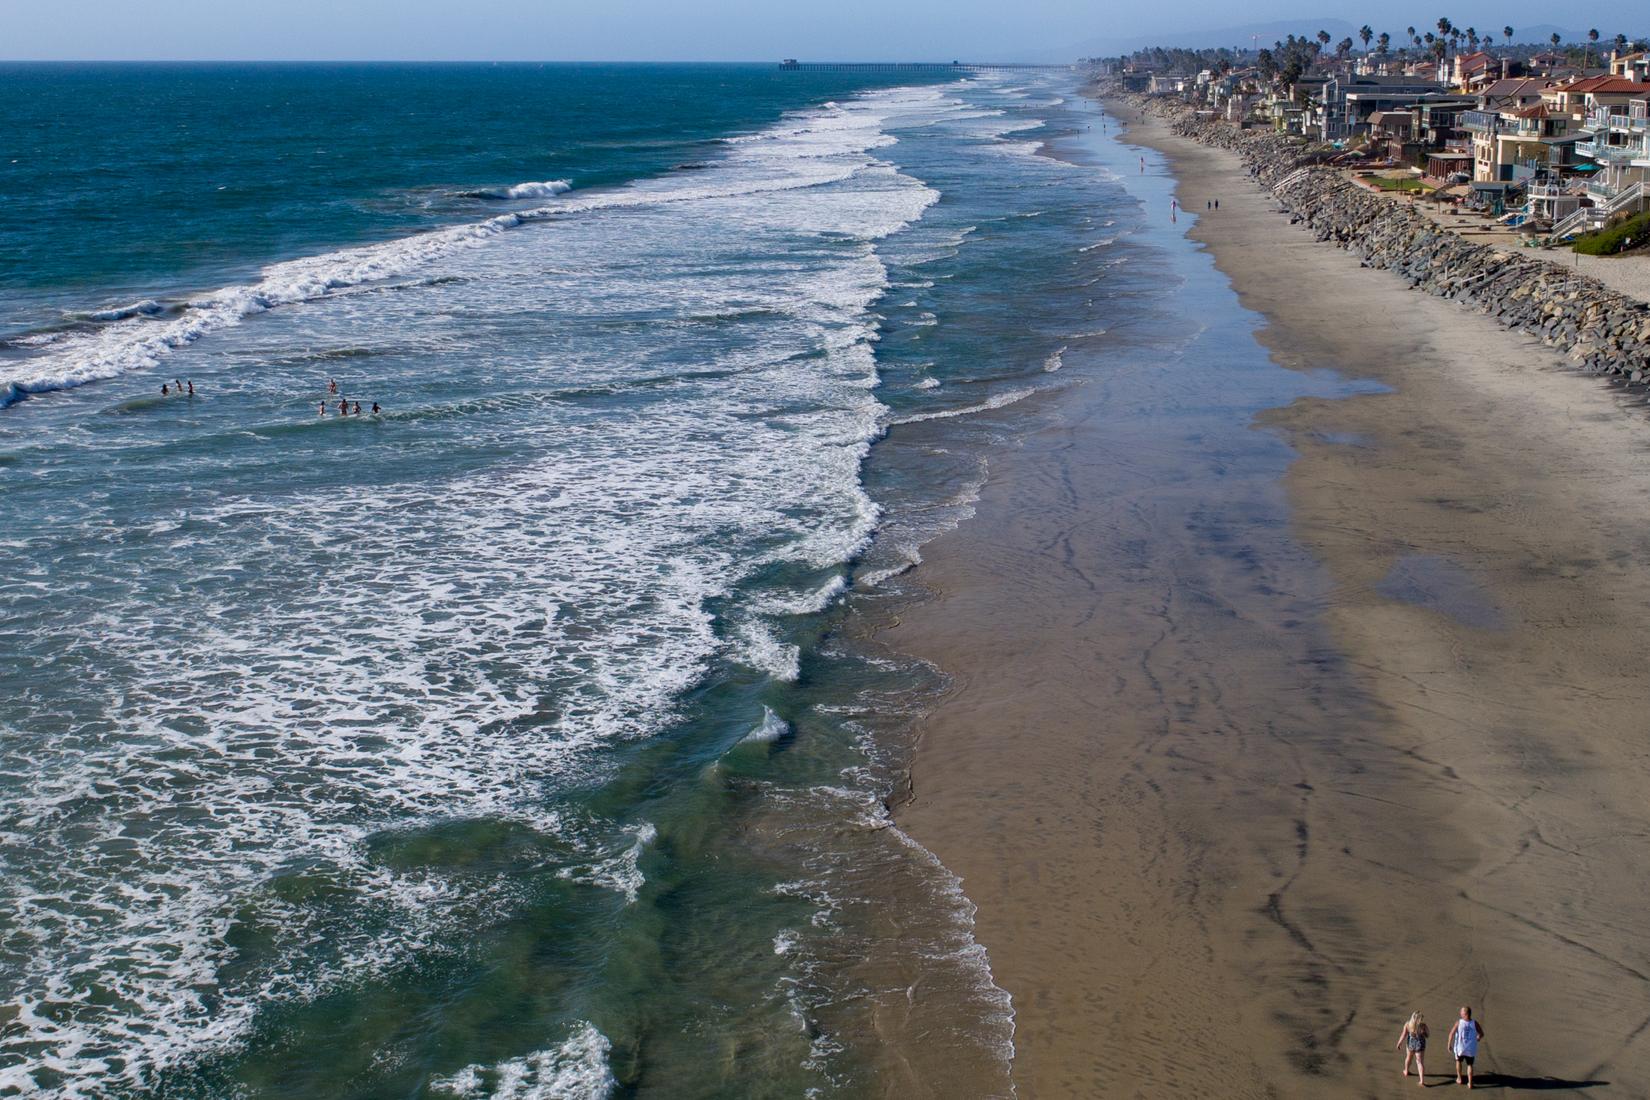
pixel 1601 330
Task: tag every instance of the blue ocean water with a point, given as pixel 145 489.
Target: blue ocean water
pixel 518 740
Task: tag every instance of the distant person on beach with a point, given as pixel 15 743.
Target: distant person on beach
pixel 1413 1038
pixel 1217 204
pixel 1463 1043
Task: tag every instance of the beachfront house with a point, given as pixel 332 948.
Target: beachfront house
pixel 1512 145
pixel 1618 142
pixel 1348 99
pixel 1633 66
pixel 1514 92
pixel 1471 71
pixel 1414 133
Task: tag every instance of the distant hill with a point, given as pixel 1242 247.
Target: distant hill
pixel 1263 34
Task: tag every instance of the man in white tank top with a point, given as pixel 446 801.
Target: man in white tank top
pixel 1463 1043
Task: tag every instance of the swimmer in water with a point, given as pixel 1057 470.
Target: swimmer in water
pixel 191 387
pixel 357 409
pixel 343 408
pixel 375 409
pixel 332 385
pixel 323 409
pixel 165 390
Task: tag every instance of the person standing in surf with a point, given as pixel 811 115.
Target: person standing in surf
pixel 1413 1038
pixel 1463 1043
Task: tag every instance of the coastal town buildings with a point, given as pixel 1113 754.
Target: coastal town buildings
pixel 1528 135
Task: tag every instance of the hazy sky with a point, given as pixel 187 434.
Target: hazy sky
pixel 756 30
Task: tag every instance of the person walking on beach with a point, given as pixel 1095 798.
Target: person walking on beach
pixel 1463 1043
pixel 1413 1038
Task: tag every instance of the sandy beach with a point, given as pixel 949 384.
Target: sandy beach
pixel 1267 729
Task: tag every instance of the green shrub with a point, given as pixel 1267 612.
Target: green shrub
pixel 1405 183
pixel 1615 238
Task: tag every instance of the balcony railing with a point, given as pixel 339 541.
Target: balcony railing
pixel 1479 122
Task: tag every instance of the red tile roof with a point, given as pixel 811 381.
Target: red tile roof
pixel 1613 85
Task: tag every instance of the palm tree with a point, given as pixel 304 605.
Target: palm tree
pixel 1343 47
pixel 1592 37
pixel 1507 32
pixel 1383 43
pixel 1365 32
pixel 1323 38
pixel 1556 40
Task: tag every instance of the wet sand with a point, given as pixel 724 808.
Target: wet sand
pixel 1269 728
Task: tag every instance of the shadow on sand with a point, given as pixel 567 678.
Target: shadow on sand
pixel 1511 1081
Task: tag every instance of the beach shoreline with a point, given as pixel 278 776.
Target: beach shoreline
pixel 1245 756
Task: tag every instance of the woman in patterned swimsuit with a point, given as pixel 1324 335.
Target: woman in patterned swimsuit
pixel 1414 1041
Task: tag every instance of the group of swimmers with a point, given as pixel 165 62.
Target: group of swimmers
pixel 345 407
pixel 177 387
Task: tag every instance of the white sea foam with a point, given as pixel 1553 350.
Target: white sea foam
pixel 576 1070
pixel 621 872
pixel 540 190
pixel 761 650
pixel 996 401
pixel 809 602
pixel 1055 360
pixel 770 729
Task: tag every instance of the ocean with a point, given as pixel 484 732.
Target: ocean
pixel 530 737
